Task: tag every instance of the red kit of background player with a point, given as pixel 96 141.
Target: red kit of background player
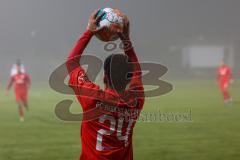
pixel 224 79
pixel 107 136
pixel 21 82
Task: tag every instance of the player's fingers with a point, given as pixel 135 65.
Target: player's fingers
pixel 124 24
pixel 125 19
pixel 98 19
pixel 94 14
pixel 127 23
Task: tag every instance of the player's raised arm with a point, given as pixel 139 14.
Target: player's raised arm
pixel 75 54
pixel 136 82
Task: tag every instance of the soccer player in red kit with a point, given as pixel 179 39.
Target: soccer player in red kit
pixel 224 79
pixel 21 82
pixel 108 136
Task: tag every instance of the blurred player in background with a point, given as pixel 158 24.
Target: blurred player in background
pixel 224 79
pixel 21 82
pixel 109 135
pixel 15 67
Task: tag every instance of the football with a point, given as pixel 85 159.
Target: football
pixel 111 22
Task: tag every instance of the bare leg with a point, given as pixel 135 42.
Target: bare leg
pixel 21 112
pixel 25 104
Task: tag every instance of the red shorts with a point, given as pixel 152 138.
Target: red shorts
pixel 224 85
pixel 21 96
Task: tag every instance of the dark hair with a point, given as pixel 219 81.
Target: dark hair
pixel 118 70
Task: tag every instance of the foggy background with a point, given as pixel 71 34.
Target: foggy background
pixel 189 37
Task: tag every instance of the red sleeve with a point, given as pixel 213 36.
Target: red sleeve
pixel 136 85
pixel 75 55
pixel 136 81
pixel 85 90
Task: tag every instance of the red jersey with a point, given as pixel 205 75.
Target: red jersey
pixel 224 74
pixel 107 136
pixel 21 82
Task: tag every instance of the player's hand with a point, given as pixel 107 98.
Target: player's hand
pixel 232 81
pixel 94 21
pixel 124 35
pixel 7 93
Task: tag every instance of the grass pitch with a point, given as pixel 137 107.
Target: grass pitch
pixel 213 134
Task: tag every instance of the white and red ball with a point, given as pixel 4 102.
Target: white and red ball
pixel 111 21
